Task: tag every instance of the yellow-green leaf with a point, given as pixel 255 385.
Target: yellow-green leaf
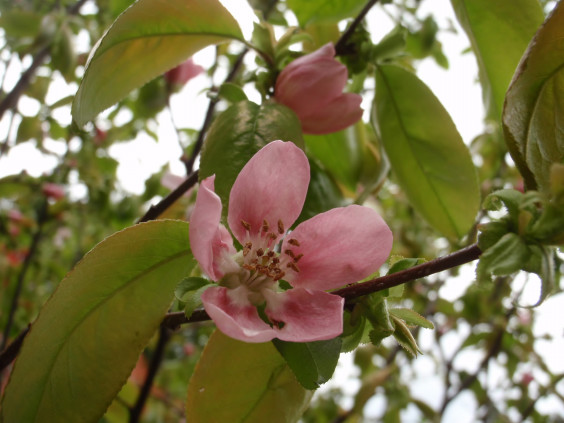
pixel 149 38
pixel 88 336
pixel 427 154
pixel 239 382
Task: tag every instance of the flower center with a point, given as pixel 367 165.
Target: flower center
pixel 261 266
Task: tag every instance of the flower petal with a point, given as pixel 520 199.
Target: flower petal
pixel 307 315
pixel 339 113
pixel 272 186
pixel 341 246
pixel 210 241
pixel 239 321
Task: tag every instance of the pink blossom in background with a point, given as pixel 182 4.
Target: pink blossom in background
pixel 53 191
pixel 338 247
pixel 312 86
pixel 183 73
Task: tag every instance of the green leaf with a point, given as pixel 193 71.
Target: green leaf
pixel 427 154
pixel 534 107
pixel 149 38
pixel 90 333
pixel 506 256
pixel 499 32
pixel 237 134
pixel 411 317
pixel 232 92
pixel 238 382
pixel 328 11
pixel 313 363
pixel 404 337
pixel 340 153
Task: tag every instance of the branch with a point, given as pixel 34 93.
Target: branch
pixel 159 208
pixel 341 46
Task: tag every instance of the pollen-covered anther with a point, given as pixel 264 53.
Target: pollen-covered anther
pixel 289 253
pixel 279 276
pixel 265 226
pixel 272 235
pixel 294 242
pixel 246 225
pixel 275 260
pixel 250 267
pixel 293 266
pixel 280 227
pixel 260 252
pixel 247 248
pixel 298 257
pixel 270 254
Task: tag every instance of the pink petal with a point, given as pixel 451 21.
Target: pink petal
pixel 183 73
pixel 239 321
pixel 340 113
pixel 210 241
pixel 341 246
pixel 307 315
pixel 272 186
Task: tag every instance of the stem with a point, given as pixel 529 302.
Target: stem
pixel 158 355
pixel 9 354
pixel 341 46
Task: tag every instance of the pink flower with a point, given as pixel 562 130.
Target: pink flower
pixel 54 191
pixel 312 86
pixel 183 73
pixel 330 250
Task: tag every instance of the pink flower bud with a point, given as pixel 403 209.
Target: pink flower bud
pixel 54 191
pixel 312 86
pixel 183 73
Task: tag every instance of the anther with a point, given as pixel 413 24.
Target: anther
pixel 270 254
pixel 289 253
pixel 280 227
pixel 275 260
pixel 279 276
pixel 272 235
pixel 260 252
pixel 265 226
pixel 293 266
pixel 249 267
pixel 298 257
pixel 246 225
pixel 247 248
pixel 293 241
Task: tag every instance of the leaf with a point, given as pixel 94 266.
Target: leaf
pixel 149 38
pixel 90 333
pixel 506 256
pixel 327 11
pixel 533 115
pixel 189 292
pixel 405 337
pixel 411 317
pixel 313 363
pixel 494 27
pixel 237 382
pixel 237 134
pixel 427 154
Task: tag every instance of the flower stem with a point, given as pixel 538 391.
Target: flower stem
pixel 341 46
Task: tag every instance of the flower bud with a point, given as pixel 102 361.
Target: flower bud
pixel 312 86
pixel 183 73
pixel 53 191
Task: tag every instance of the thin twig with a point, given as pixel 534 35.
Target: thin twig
pixel 158 355
pixel 159 208
pixel 9 354
pixel 341 46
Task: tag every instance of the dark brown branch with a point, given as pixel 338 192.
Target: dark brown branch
pixel 10 353
pixel 341 46
pixel 159 208
pixel 158 355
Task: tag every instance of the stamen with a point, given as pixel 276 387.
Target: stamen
pixel 280 227
pixel 293 266
pixel 293 241
pixel 298 257
pixel 265 226
pixel 289 253
pixel 260 252
pixel 272 235
pixel 275 260
pixel 246 225
pixel 279 276
pixel 247 248
pixel 270 254
pixel 252 268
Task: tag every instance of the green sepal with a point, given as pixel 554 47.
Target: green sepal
pixel 189 291
pixel 313 363
pixel 354 324
pixel 404 337
pixel 411 317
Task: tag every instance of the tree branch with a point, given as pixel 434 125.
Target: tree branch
pixel 341 46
